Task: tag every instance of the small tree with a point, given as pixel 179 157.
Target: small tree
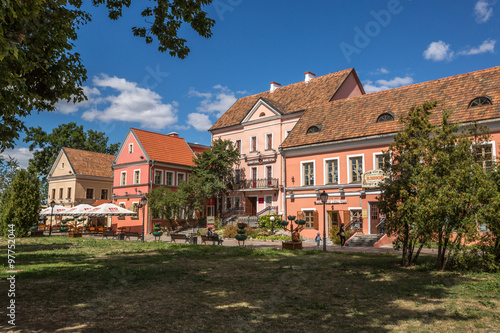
pixel 164 203
pixel 8 170
pixel 20 204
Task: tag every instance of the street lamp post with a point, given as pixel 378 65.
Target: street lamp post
pixel 324 198
pixel 272 224
pixel 144 200
pixel 52 204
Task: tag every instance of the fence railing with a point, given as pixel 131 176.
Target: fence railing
pixel 258 183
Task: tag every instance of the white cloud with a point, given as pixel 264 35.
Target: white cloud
pixel 219 101
pixel 200 121
pixel 380 70
pixel 380 85
pixel 22 155
pixel 438 51
pixel 66 107
pixel 483 11
pixel 487 46
pixel 131 104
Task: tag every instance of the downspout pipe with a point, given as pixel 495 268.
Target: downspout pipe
pixel 150 189
pixel 280 149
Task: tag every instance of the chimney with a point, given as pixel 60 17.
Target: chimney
pixel 274 86
pixel 173 134
pixel 309 76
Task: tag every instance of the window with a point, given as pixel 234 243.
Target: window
pixel 309 218
pixel 62 165
pixel 90 193
pixel 122 204
pixel 130 148
pixel 253 144
pixel 124 178
pixel 262 114
pixel 356 167
pixel 238 145
pixel 53 193
pixel 180 178
pixel 68 196
pixel 385 117
pixel 379 162
pixel 253 171
pixel 210 211
pixel 137 176
pixel 308 174
pixel 237 202
pixel 332 172
pixel 484 155
pixel 104 194
pixel 269 141
pixel 313 129
pixel 228 203
pixel 61 193
pixel 237 176
pixel 135 207
pixel 269 175
pixel 356 219
pixel 170 178
pixel 158 177
pixel 268 199
pixel 480 101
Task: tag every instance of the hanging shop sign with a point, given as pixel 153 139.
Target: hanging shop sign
pixel 210 221
pixel 332 202
pixel 262 160
pixel 372 178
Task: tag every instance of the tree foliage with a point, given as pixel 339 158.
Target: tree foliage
pixel 38 66
pixel 20 204
pixel 438 186
pixel 8 170
pixel 46 147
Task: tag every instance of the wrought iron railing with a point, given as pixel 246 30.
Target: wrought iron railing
pixel 258 183
pixel 268 210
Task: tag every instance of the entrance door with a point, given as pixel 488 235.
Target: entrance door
pixel 333 217
pixel 374 218
pixel 251 208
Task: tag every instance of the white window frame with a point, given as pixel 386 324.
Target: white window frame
pixel 68 196
pixel 62 165
pixel 130 148
pixel 493 149
pixel 265 201
pixel 375 155
pixel 256 172
pixel 122 203
pixel 272 172
pixel 133 180
pixel 166 178
pixel 349 165
pixel 251 141
pixel 303 210
pixel 122 182
pixel 133 203
pixel 104 189
pixel 325 169
pixel 161 177
pixel 177 177
pixel 267 143
pixel 302 172
pixel 241 144
pixel 234 201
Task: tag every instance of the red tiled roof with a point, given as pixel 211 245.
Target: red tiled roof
pixel 100 202
pixel 356 117
pixel 165 148
pixel 291 98
pixel 90 163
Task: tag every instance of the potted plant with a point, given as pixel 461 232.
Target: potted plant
pixel 157 230
pixel 241 236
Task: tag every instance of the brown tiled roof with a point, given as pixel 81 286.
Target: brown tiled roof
pixel 100 202
pixel 291 98
pixel 356 117
pixel 90 163
pixel 165 148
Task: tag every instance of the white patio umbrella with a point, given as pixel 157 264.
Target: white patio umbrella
pixel 108 209
pixel 77 210
pixel 58 210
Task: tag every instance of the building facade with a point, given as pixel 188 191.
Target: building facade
pixel 145 161
pixel 258 124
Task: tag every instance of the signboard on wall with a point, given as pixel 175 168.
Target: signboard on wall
pixel 210 221
pixel 372 178
pixel 261 200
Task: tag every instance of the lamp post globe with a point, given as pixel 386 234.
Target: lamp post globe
pixel 144 201
pixel 52 204
pixel 324 198
pixel 272 224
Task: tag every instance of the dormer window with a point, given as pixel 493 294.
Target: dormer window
pixel 130 148
pixel 385 117
pixel 313 129
pixel 262 114
pixel 62 165
pixel 480 101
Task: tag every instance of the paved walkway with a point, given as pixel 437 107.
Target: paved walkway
pixel 307 245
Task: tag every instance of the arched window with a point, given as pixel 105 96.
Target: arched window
pixel 262 114
pixel 385 117
pixel 479 101
pixel 313 129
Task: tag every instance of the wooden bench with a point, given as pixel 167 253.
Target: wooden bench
pixel 129 234
pixel 108 233
pixel 206 238
pixel 174 237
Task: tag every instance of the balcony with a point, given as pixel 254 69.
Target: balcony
pixel 264 183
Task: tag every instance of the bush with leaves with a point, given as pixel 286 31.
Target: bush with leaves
pixel 334 230
pixel 265 222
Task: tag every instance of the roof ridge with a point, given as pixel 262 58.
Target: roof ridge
pixel 138 129
pixel 87 151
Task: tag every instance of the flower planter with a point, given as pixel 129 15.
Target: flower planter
pixel 241 231
pixel 300 222
pixel 241 237
pixel 157 233
pixel 74 234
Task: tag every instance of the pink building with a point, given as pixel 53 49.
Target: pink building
pixel 258 124
pixel 335 144
pixel 145 161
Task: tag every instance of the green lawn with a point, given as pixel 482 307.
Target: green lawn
pixel 86 285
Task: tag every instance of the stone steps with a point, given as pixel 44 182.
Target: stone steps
pixel 364 240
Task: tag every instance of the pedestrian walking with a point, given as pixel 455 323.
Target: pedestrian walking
pixel 318 240
pixel 341 234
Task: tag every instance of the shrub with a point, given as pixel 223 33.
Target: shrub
pixel 277 237
pixel 265 222
pixel 336 238
pixel 231 231
pixel 477 258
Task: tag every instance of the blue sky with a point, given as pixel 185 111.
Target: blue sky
pixel 389 43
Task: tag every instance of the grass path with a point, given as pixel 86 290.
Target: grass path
pixel 87 285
